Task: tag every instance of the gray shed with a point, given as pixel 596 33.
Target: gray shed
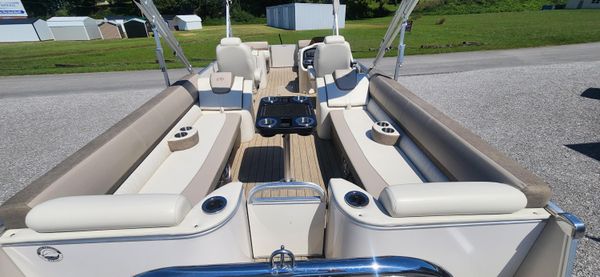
pixel 26 29
pixel 74 28
pixel 304 16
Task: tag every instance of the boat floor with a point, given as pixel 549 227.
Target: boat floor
pixel 261 159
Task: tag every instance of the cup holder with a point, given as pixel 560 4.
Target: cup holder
pixel 388 130
pixel 181 134
pixel 300 99
pixel 267 122
pixel 185 138
pixel 270 99
pixel 384 133
pixel 304 121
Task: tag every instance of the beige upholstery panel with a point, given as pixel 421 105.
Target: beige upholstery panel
pixel 164 171
pixel 208 176
pixel 453 198
pixel 460 154
pixel 236 57
pixel 376 165
pixel 108 160
pixel 358 96
pixel 108 212
pixel 210 100
pixel 334 54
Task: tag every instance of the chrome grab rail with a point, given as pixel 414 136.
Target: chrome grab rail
pixel 576 223
pixel 285 185
pixel 374 266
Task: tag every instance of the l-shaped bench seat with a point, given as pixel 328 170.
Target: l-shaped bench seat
pixel 133 156
pixel 434 146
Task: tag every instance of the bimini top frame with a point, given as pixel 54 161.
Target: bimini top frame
pixel 161 29
pixel 398 25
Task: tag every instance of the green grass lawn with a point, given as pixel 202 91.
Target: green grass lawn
pixel 493 31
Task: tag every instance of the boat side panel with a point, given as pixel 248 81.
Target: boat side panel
pixel 488 249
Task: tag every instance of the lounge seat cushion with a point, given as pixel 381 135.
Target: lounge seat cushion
pixel 215 98
pixel 376 165
pixel 345 79
pixel 458 152
pixel 108 212
pixel 355 97
pixel 193 172
pixel 452 198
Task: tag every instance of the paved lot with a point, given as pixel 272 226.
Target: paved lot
pixel 526 102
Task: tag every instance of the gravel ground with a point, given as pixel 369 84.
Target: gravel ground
pixel 39 132
pixel 531 113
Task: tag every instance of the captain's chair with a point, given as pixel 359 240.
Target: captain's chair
pixel 333 54
pixel 236 57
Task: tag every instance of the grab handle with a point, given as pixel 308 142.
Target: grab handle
pixel 284 185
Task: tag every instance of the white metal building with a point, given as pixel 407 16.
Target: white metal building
pixel 188 22
pixel 583 4
pixel 27 29
pixel 304 16
pixel 74 28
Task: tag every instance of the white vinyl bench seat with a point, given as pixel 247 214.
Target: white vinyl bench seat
pixel 376 165
pixel 193 172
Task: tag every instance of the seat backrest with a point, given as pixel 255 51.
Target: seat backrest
pixel 333 54
pixel 236 57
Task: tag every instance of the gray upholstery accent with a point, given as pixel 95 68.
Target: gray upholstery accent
pixel 363 172
pixel 107 160
pixel 459 153
pixel 208 176
pixel 345 79
pixel 221 82
pixel 333 54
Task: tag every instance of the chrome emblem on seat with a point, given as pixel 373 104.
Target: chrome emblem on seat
pixel 49 254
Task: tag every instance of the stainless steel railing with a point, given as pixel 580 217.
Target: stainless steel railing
pixel 374 266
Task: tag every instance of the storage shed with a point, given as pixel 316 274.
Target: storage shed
pixel 304 16
pixel 583 4
pixel 74 28
pixel 26 29
pixel 110 30
pixel 136 28
pixel 170 20
pixel 188 22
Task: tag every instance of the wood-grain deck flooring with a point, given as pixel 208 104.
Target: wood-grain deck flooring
pixel 261 159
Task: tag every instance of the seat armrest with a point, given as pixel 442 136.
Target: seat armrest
pixel 108 212
pixel 451 198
